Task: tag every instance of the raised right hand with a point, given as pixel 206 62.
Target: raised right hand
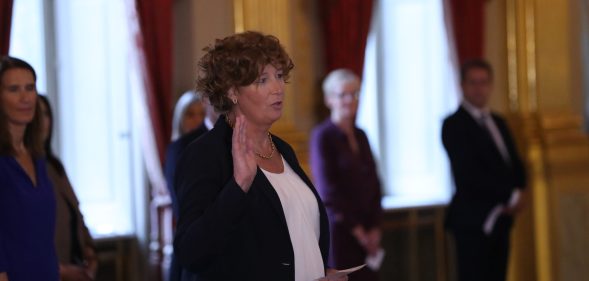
pixel 244 159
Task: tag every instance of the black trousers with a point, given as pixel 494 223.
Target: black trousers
pixel 481 257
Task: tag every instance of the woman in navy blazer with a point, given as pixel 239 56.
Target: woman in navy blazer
pixel 247 209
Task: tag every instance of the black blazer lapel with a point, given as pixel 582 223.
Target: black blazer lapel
pixel 485 139
pixel 262 184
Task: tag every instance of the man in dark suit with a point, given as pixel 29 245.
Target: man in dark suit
pixel 489 178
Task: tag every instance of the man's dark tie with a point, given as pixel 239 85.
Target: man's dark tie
pixel 494 135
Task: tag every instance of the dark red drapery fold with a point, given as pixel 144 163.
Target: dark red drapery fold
pixel 346 24
pixel 155 22
pixel 5 25
pixel 468 25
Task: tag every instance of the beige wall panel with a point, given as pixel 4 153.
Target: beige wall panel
pixel 573 229
pixel 553 57
pixel 496 52
pixel 197 23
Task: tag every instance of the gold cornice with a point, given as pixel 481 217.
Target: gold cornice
pixel 521 56
pixel 238 16
pixel 512 64
pixel 531 55
pixel 523 103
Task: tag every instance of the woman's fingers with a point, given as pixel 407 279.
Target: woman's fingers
pixel 239 138
pixel 242 136
pixel 235 137
pixel 244 162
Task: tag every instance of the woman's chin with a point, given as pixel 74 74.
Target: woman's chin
pixel 276 117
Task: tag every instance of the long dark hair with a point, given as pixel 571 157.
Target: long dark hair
pixel 51 158
pixel 32 138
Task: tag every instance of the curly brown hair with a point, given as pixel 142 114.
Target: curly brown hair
pixel 236 61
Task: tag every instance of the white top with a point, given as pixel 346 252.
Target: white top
pixel 302 218
pixel 483 116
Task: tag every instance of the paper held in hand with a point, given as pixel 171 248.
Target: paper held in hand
pixel 340 273
pixel 489 223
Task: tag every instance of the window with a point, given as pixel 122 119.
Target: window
pixel 97 88
pixel 407 93
pixel 27 37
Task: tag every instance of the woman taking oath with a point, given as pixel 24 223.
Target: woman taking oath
pixel 247 209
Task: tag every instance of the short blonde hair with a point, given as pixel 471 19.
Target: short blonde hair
pixel 336 78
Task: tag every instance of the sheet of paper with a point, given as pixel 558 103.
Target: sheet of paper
pixel 496 212
pixel 491 219
pixel 375 261
pixel 341 273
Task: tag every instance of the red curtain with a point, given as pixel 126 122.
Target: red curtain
pixel 155 22
pixel 468 25
pixel 5 21
pixel 345 27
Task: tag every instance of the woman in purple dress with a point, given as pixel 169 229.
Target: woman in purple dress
pixel 345 175
pixel 27 203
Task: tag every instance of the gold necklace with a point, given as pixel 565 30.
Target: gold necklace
pixel 272 146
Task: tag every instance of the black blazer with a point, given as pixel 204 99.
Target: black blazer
pixel 482 178
pixel 224 233
pixel 173 153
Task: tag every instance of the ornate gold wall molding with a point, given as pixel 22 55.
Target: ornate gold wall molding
pixel 549 128
pixel 522 85
pixel 521 50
